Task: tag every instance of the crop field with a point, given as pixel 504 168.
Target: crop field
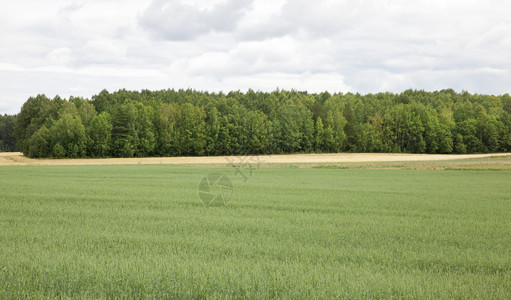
pixel 319 231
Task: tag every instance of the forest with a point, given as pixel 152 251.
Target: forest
pixel 189 122
pixel 7 138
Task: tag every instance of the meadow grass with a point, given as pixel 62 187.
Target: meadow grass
pixel 140 231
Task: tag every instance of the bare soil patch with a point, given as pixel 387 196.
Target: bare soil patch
pixel 17 159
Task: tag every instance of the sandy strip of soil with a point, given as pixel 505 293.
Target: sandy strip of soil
pixel 17 158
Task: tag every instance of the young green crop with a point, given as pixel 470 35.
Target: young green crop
pixel 141 231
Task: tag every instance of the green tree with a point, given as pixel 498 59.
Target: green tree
pixel 167 140
pixel 39 143
pixel 191 130
pixel 212 130
pixel 319 136
pixel 143 131
pixel 351 127
pixel 336 122
pixel 35 112
pixel 7 137
pixel 466 137
pixel 99 134
pixel 87 112
pixel 69 133
pixel 123 141
pixel 257 132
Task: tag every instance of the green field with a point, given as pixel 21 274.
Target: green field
pixel 140 231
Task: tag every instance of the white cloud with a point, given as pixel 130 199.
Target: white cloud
pixel 80 47
pixel 175 20
pixel 60 56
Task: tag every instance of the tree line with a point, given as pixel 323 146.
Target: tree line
pixel 188 122
pixel 7 138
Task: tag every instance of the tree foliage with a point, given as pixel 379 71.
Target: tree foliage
pixel 187 122
pixel 7 138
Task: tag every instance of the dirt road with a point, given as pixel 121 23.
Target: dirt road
pixel 17 159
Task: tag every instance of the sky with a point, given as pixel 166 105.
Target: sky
pixel 62 47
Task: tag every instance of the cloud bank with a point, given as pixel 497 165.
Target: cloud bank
pixel 79 48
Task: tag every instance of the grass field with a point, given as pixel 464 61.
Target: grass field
pixel 132 231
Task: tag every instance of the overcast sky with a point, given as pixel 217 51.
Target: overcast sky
pixel 82 47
